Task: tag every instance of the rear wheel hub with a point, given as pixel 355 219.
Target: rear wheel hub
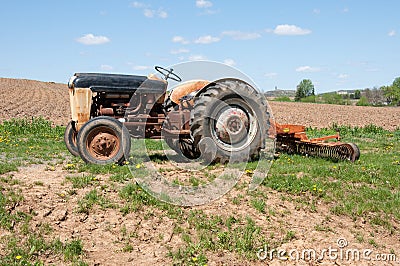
pixel 232 125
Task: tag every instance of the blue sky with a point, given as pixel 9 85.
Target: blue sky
pixel 337 44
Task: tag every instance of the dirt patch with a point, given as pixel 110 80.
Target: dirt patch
pixel 106 232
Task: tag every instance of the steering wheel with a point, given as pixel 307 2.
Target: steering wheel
pixel 168 74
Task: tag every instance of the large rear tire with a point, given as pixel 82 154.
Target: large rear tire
pixel 229 122
pixel 103 140
pixel 70 138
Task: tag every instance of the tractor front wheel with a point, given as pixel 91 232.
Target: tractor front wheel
pixel 70 138
pixel 103 140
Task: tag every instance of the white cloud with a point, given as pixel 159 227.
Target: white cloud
pixel 271 75
pixel 106 67
pixel 203 3
pixel 140 68
pixel 286 29
pixel 316 11
pixel 207 39
pixel 179 39
pixel 151 13
pixel 343 76
pixel 345 10
pixel 239 35
pixel 392 33
pixel 197 57
pixel 180 51
pixel 162 14
pixel 148 13
pixel 307 69
pixel 209 12
pixel 229 62
pixel 138 4
pixel 90 39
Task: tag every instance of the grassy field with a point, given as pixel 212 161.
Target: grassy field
pixel 368 189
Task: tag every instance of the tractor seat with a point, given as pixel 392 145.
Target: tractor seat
pixel 186 88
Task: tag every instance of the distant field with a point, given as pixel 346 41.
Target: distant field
pixel 27 98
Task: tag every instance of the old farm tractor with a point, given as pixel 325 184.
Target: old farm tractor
pixel 217 121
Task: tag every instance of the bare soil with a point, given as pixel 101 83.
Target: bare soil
pixel 106 232
pixel 29 98
pixel 47 193
pixel 23 98
pixel 325 115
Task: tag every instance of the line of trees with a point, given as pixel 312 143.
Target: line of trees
pixel 389 95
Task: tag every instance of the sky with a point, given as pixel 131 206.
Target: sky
pixel 337 44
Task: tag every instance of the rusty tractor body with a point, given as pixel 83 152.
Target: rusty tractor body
pixel 218 121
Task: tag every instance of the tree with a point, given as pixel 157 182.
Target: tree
pixel 387 92
pixel 357 94
pixel 392 93
pixel 396 83
pixel 367 94
pixel 376 97
pixel 304 89
pixel 363 101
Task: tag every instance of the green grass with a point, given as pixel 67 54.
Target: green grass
pixel 27 252
pixel 29 141
pixel 213 233
pixel 282 99
pixel 367 189
pixel 7 219
pixel 93 197
pixel 370 186
pixel 258 204
pixel 82 181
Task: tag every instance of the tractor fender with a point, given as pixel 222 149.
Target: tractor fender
pixel 224 81
pixel 187 88
pixel 197 87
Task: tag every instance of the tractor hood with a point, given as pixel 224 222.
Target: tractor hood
pixel 114 82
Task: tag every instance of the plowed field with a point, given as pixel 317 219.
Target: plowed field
pixel 28 98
